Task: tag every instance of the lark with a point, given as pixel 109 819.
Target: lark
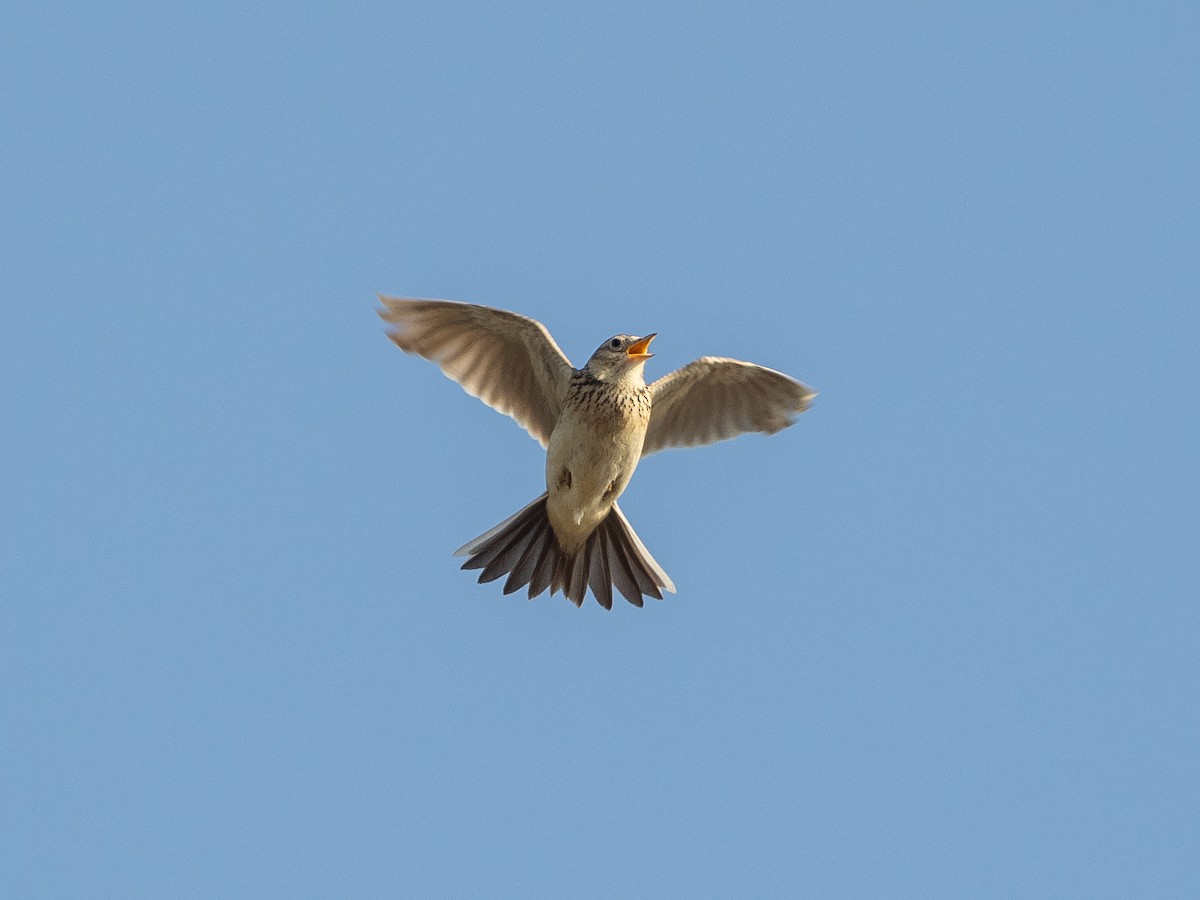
pixel 596 424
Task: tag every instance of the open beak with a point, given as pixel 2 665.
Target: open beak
pixel 637 350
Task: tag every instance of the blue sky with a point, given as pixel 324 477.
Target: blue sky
pixel 940 639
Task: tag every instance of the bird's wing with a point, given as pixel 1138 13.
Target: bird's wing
pixel 713 399
pixel 508 361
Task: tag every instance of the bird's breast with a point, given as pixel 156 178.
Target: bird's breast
pixel 592 453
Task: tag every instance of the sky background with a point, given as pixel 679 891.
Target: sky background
pixel 940 639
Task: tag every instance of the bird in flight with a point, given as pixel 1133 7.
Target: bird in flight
pixel 596 423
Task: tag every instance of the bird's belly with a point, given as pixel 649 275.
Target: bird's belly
pixel 587 468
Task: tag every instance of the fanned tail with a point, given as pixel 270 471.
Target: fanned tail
pixel 524 547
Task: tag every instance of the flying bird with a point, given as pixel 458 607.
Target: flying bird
pixel 596 423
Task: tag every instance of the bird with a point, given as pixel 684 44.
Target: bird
pixel 596 423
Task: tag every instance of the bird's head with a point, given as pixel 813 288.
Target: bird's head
pixel 620 356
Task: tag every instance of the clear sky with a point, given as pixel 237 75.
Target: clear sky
pixel 940 639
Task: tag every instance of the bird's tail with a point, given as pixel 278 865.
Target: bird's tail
pixel 524 547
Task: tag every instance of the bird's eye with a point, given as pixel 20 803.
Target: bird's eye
pixel 615 344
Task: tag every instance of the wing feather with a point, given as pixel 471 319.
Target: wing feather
pixel 508 361
pixel 714 399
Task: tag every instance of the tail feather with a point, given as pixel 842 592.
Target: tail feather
pixel 619 569
pixel 561 575
pixel 524 546
pixel 543 572
pixel 506 556
pixel 523 571
pixel 576 588
pixel 653 570
pixel 473 546
pixel 646 582
pixel 598 575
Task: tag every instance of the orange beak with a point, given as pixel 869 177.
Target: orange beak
pixel 637 350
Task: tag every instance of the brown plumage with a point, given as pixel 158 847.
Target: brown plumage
pixel 596 424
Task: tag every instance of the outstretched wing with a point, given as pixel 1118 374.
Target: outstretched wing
pixel 713 399
pixel 508 361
